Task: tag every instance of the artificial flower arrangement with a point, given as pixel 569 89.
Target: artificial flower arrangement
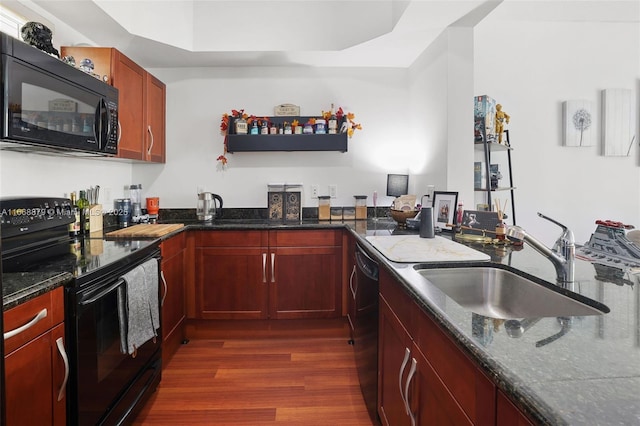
pixel 349 126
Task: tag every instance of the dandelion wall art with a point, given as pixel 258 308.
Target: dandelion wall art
pixel 618 122
pixel 578 123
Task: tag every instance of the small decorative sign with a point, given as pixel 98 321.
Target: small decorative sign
pixel 63 105
pixel 286 110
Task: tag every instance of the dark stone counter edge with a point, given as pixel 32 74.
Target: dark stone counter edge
pixel 36 286
pixel 511 385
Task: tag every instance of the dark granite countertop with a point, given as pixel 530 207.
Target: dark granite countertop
pixel 590 375
pixel 20 287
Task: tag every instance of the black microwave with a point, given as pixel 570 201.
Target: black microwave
pixel 48 105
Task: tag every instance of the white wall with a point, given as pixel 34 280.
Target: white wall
pixel 197 98
pixel 531 68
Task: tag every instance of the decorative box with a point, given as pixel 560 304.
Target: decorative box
pixel 484 112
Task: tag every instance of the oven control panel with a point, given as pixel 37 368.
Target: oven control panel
pixel 19 216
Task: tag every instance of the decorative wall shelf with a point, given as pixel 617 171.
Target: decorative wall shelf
pixel 294 142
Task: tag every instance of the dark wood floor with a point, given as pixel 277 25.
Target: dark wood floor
pixel 260 373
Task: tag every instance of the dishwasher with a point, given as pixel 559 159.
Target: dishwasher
pixel 363 316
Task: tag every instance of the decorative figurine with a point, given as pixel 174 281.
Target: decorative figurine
pixel 86 65
pixel 501 118
pixel 39 36
pixel 70 60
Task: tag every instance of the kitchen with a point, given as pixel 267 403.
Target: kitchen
pixel 511 58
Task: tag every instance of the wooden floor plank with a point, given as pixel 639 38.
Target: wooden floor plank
pixel 260 373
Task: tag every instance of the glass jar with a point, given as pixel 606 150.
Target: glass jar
pixel 321 127
pixel 241 126
pixel 361 207
pixel 324 207
pixel 308 129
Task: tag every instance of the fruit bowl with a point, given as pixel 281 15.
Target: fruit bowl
pixel 401 216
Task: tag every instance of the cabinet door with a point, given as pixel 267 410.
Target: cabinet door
pixel 394 363
pixel 432 404
pixel 34 376
pixel 472 390
pixel 231 283
pixel 154 148
pixel 508 414
pixel 305 282
pixel 128 77
pixel 173 295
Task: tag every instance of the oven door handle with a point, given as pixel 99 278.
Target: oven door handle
pixel 103 293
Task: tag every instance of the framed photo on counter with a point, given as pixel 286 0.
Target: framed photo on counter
pixel 444 208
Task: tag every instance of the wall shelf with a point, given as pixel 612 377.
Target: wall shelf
pixel 487 148
pixel 246 143
pixel 295 142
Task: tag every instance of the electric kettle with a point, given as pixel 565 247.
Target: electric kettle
pixel 207 209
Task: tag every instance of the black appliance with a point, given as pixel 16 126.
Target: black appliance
pixel 105 386
pixel 363 316
pixel 48 105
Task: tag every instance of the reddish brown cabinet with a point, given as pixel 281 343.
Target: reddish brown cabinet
pixel 425 378
pixel 36 364
pixel 173 268
pixel 305 279
pixel 259 274
pixel 141 104
pixel 508 414
pixel 231 270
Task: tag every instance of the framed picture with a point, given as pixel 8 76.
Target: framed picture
pixel 479 222
pixel 444 208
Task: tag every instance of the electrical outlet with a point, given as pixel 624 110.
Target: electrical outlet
pixel 333 191
pixel 314 191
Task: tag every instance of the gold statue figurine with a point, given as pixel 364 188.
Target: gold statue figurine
pixel 501 118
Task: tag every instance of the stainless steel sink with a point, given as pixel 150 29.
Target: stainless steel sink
pixel 499 293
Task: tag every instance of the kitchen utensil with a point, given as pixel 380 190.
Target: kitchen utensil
pixel 207 209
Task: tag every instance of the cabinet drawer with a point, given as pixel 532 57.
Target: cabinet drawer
pixel 306 238
pixel 231 238
pixel 173 245
pixel 21 315
pixel 473 391
pixel 398 300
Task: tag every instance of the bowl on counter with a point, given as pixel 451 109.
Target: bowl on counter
pixel 401 216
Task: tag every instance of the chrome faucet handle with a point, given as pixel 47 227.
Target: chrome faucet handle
pixel 566 239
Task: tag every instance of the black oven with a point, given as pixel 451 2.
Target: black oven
pixel 49 105
pixel 106 386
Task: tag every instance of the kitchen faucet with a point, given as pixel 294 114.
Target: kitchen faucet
pixel 562 255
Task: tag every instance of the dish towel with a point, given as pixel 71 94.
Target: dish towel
pixel 138 308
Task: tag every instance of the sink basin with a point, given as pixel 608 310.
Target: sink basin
pixel 499 293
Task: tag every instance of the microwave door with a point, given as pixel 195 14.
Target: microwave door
pixel 43 109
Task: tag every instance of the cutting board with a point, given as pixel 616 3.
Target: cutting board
pixel 413 249
pixel 145 230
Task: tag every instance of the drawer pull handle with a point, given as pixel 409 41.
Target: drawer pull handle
pixel 151 145
pixel 166 288
pixel 412 371
pixel 264 267
pixel 42 314
pixel 63 354
pixel 407 354
pixel 273 267
pixel 353 291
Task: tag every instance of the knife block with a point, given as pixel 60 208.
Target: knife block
pixel 95 218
